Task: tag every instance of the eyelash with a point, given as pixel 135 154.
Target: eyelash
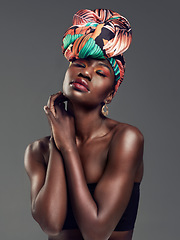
pixel 83 66
pixel 100 73
pixel 78 64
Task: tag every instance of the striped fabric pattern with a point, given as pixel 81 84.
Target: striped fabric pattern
pixel 100 34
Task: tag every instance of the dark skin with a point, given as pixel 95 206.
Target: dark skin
pixel 84 147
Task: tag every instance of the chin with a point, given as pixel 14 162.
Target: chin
pixel 74 94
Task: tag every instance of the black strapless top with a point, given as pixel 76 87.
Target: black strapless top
pixel 127 220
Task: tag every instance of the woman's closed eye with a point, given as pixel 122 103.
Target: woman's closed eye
pixel 79 64
pixel 101 73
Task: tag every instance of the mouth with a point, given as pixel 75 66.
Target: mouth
pixel 80 84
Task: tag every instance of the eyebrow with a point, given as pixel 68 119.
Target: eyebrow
pixel 105 66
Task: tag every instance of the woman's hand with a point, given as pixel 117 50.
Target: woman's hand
pixel 55 99
pixel 61 121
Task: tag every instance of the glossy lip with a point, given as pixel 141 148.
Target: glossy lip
pixel 81 81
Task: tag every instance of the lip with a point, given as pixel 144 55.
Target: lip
pixel 80 84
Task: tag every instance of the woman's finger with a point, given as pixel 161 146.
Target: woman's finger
pixel 51 97
pixel 50 102
pixel 55 99
pixel 49 114
pixel 60 98
pixel 60 109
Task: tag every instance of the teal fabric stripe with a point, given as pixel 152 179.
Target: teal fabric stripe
pixel 70 39
pixel 91 24
pixel 117 77
pixel 113 18
pixel 91 49
pixel 115 68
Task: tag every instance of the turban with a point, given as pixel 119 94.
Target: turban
pixel 99 34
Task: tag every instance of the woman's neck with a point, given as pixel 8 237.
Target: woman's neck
pixel 88 123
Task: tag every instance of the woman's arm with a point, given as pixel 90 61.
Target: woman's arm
pixel 98 218
pixel 48 187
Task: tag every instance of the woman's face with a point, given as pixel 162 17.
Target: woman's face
pixel 88 81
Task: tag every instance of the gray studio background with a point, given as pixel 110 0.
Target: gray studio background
pixel 32 68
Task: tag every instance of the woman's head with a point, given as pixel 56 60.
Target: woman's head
pixel 89 81
pixel 100 34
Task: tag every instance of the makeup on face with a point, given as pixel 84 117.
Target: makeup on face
pixel 80 84
pixel 83 71
pixel 99 66
pixel 103 69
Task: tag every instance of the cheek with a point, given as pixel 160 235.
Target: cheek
pixel 103 86
pixel 66 81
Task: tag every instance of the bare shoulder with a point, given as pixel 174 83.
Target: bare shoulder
pixel 127 143
pixel 37 151
pixel 121 129
pixel 124 130
pixel 39 146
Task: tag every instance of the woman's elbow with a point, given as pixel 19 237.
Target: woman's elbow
pixel 51 230
pixel 51 226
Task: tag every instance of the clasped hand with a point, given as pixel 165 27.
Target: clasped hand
pixel 61 121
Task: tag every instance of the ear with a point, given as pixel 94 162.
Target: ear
pixel 109 97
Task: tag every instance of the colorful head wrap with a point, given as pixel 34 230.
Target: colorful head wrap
pixel 101 34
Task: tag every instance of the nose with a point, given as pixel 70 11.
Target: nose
pixel 85 73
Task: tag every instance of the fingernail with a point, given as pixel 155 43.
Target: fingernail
pixel 45 109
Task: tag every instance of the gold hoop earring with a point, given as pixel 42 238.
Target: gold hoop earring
pixel 104 110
